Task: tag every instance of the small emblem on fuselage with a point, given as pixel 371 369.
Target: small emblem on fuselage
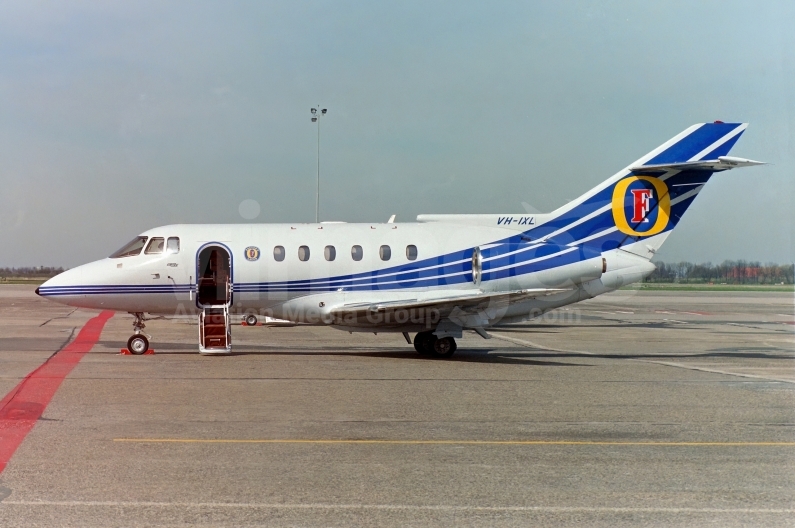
pixel 252 253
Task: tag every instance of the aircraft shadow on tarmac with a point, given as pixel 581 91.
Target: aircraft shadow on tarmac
pixel 553 329
pixel 472 355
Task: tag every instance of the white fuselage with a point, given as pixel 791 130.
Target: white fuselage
pixel 304 291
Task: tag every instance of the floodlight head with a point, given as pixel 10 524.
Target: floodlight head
pixel 314 119
pixel 324 111
pixel 313 110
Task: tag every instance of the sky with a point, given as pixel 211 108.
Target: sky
pixel 119 117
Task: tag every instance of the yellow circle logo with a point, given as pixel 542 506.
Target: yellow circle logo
pixel 636 199
pixel 252 253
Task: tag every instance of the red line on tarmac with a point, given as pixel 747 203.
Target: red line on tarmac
pixel 24 405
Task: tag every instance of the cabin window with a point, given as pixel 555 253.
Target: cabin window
pixel 330 253
pixel 385 252
pixel 278 253
pixel 172 245
pixel 131 248
pixel 357 253
pixel 411 252
pixel 303 253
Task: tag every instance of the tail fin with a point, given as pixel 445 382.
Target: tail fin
pixel 646 200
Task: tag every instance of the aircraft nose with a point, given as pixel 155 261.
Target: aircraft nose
pixel 43 289
pixel 56 286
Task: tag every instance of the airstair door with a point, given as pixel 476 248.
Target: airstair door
pixel 214 332
pixel 214 296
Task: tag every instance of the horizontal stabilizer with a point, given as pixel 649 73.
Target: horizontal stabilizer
pixel 463 300
pixel 714 165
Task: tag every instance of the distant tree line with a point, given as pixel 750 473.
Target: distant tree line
pixel 30 272
pixel 728 272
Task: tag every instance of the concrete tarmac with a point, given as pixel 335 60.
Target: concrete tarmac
pixel 632 409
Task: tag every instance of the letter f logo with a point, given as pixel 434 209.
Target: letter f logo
pixel 642 204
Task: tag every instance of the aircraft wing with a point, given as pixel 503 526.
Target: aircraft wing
pixel 720 164
pixel 445 304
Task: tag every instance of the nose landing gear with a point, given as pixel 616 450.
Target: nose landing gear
pixel 139 343
pixel 428 344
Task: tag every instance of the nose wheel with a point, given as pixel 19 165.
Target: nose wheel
pixel 138 344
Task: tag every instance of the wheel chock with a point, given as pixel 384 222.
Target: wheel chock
pixel 125 352
pixel 246 324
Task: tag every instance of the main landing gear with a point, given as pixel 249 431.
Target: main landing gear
pixel 428 344
pixel 138 344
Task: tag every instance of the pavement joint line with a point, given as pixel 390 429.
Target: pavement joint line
pixel 714 371
pixel 445 442
pixel 394 507
pixel 59 317
pixel 530 344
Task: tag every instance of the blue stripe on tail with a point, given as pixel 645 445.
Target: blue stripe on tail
pixel 689 146
pixel 707 141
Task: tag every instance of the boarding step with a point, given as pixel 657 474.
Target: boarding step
pixel 215 334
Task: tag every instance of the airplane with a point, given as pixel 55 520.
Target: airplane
pixel 437 277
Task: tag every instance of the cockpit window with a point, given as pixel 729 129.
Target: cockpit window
pixel 132 248
pixel 173 245
pixel 155 246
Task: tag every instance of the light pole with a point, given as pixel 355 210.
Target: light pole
pixel 316 119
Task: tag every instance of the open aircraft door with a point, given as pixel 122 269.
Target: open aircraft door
pixel 214 289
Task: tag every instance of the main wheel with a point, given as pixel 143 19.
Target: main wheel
pixel 251 320
pixel 444 347
pixel 423 343
pixel 138 344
